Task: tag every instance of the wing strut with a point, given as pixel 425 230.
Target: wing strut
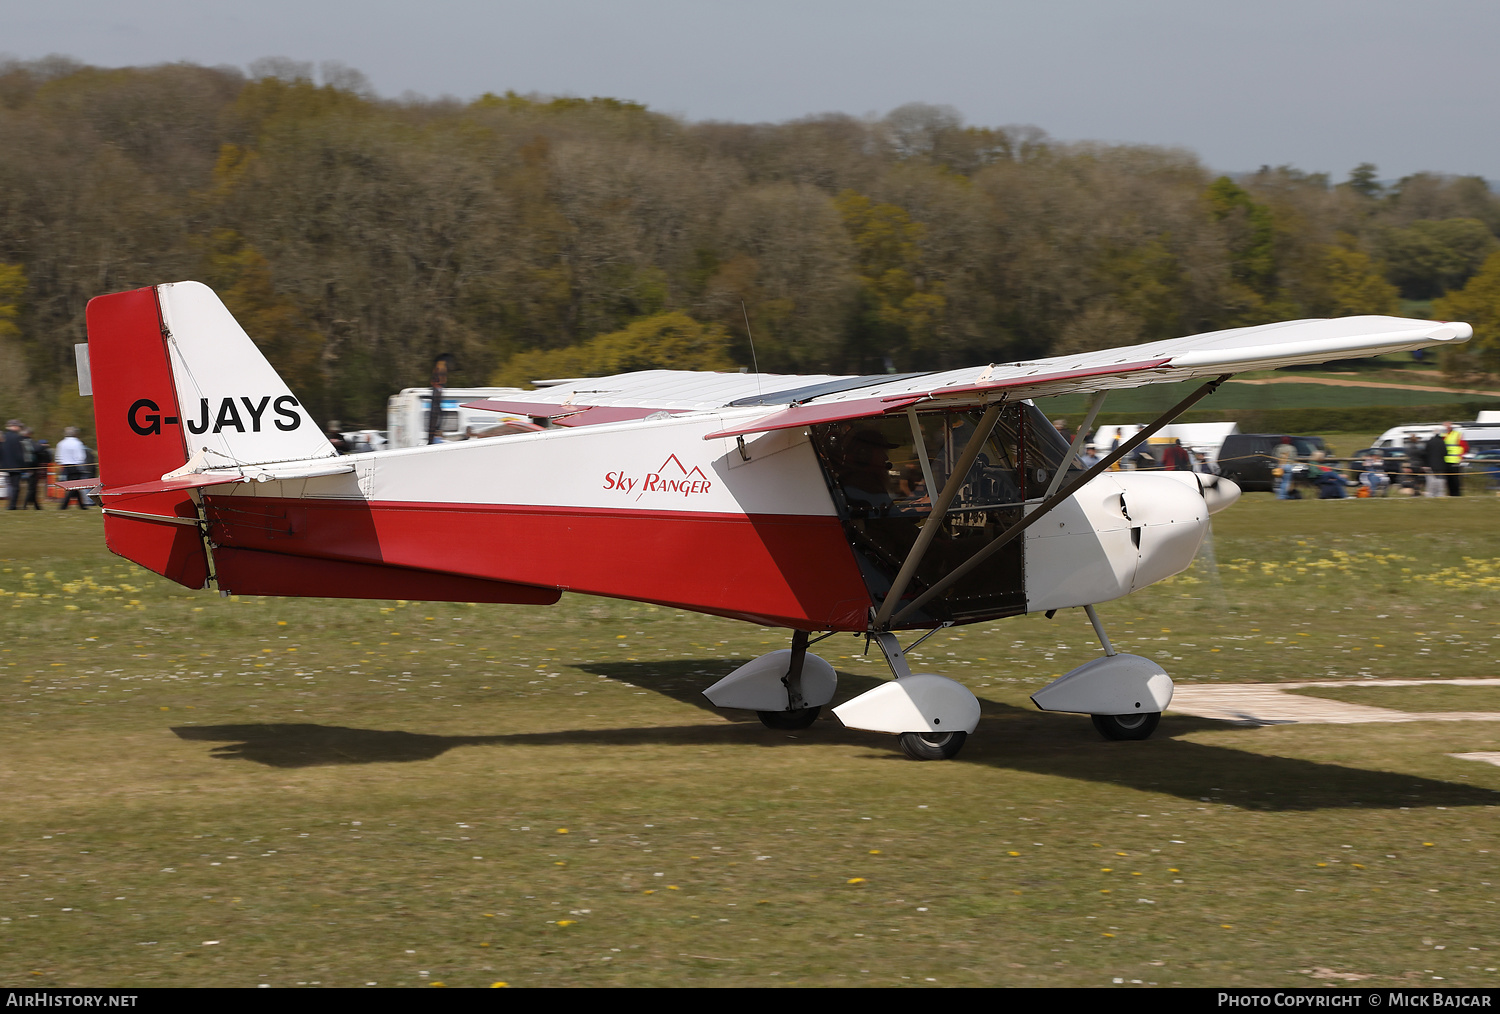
pixel 1095 404
pixel 1047 505
pixel 934 522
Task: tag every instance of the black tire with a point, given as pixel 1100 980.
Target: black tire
pixel 932 745
pixel 789 720
pixel 1137 726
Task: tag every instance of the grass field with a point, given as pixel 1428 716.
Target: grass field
pixel 204 791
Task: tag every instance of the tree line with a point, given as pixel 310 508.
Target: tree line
pixel 356 237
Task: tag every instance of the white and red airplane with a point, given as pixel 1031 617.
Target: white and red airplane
pixel 821 504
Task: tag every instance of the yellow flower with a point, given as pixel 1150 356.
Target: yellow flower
pixel 566 922
pixel 562 830
pixel 855 880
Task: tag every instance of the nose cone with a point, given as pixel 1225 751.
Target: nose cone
pixel 1219 492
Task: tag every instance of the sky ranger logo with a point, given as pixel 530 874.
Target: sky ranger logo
pixel 670 477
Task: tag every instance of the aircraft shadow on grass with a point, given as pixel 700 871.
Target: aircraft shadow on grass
pixel 1008 737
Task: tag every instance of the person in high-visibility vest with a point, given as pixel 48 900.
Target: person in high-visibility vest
pixel 1453 458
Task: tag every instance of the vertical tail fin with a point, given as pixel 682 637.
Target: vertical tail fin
pixel 235 408
pixel 177 380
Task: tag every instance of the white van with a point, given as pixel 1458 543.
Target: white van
pixel 406 414
pixel 1396 436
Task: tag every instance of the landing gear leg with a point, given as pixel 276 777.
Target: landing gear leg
pixel 914 699
pixel 798 715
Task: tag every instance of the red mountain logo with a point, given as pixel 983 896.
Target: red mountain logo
pixel 672 460
pixel 671 476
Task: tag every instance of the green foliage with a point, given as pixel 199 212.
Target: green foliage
pixel 1250 231
pixel 1341 282
pixel 12 289
pixel 241 276
pixel 1364 181
pixel 1477 303
pixel 1428 258
pixel 901 311
pixel 664 341
pixel 14 380
pixel 1147 284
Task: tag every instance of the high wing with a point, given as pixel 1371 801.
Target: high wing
pixel 1265 347
pixel 806 400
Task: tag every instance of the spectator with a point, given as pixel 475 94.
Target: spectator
pixel 1286 462
pixel 37 458
pixel 13 460
pixel 1329 481
pixel 1434 462
pixel 1373 475
pixel 1175 458
pixel 1453 459
pixel 74 459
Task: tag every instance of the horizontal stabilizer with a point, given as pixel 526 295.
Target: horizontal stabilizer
pixel 567 415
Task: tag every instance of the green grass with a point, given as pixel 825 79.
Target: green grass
pixel 205 791
pixel 1416 699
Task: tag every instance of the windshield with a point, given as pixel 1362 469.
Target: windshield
pixel 876 467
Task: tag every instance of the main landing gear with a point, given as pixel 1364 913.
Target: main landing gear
pixel 786 689
pixel 931 716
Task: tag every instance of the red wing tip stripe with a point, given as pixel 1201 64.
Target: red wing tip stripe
pixel 1041 378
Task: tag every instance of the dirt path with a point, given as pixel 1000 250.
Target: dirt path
pixel 1331 382
pixel 1270 704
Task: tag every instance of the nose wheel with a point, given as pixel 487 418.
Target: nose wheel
pixel 1137 726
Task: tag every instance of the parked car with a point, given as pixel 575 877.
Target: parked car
pixel 1393 458
pixel 1249 458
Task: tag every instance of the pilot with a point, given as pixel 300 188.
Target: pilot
pixel 867 470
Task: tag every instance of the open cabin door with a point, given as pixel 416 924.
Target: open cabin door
pixel 884 494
